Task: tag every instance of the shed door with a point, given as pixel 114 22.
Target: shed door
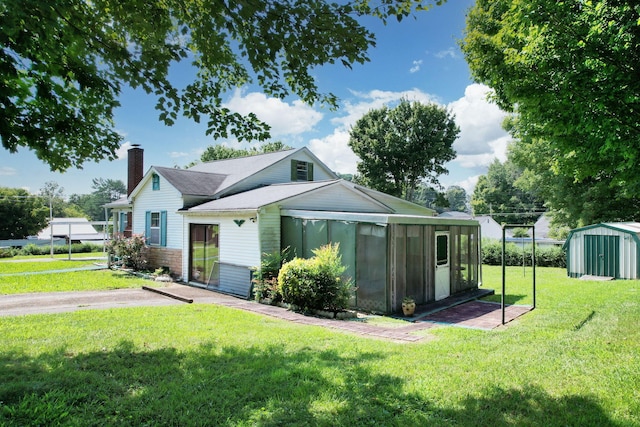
pixel 602 255
pixel 443 266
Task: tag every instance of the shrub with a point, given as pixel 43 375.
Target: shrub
pixel 545 257
pixel 316 283
pixel 130 251
pixel 6 253
pixel 32 249
pixel 265 278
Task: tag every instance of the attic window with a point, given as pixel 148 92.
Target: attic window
pixel 301 170
pixel 155 182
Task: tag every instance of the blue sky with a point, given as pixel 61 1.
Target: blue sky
pixel 418 59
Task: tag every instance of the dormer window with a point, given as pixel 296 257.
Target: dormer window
pixel 155 182
pixel 301 170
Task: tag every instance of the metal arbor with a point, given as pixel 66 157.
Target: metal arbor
pixel 533 262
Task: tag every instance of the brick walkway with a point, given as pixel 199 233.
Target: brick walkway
pixel 472 314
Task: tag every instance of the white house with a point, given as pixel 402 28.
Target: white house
pixel 212 223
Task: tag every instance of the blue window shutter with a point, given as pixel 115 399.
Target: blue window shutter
pixel 147 225
pixel 163 228
pixel 121 221
pixel 294 170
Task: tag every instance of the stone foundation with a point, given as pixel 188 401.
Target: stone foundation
pixel 164 257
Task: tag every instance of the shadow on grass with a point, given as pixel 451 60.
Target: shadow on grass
pixel 508 299
pixel 252 386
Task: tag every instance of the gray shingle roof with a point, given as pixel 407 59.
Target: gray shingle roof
pixel 192 183
pixel 254 199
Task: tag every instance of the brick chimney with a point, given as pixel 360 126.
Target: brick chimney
pixel 135 171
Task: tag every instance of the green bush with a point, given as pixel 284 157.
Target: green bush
pixel 545 257
pixel 316 283
pixel 76 248
pixel 265 278
pixel 6 253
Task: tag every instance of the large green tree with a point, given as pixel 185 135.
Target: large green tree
pixel 497 194
pixel 572 203
pixel 457 198
pixel 63 63
pixel 104 191
pixel 21 214
pixel 570 70
pixel 402 146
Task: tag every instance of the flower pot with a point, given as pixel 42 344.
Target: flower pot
pixel 408 308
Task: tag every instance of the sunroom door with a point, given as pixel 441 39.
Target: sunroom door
pixel 204 255
pixel 443 266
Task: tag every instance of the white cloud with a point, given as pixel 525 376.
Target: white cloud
pixel 284 118
pixel 366 101
pixel 416 66
pixel 451 53
pixel 335 152
pixel 481 133
pixel 497 150
pixel 178 154
pixel 7 171
pixel 121 152
pixel 469 184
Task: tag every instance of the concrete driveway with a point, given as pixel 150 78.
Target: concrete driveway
pixel 59 302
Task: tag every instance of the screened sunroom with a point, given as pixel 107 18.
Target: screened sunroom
pixel 392 256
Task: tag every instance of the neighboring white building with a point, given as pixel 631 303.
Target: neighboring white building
pixel 78 230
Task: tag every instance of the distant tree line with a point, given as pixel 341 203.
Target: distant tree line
pixel 23 214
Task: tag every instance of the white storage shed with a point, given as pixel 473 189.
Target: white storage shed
pixel 607 249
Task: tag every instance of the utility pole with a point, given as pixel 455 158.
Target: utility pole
pixel 51 223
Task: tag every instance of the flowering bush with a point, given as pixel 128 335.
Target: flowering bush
pixel 131 251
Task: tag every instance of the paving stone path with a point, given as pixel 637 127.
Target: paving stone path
pixel 487 315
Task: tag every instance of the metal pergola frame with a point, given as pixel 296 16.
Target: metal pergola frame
pixel 533 262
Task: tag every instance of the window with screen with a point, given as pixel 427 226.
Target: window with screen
pixel 154 237
pixel 442 249
pixel 156 228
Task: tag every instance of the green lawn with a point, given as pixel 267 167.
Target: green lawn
pixel 574 361
pixel 8 267
pixel 64 256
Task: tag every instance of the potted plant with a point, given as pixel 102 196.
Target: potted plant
pixel 408 306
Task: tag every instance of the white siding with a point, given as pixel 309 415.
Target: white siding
pixel 239 245
pixel 239 250
pixel 335 198
pixel 628 251
pixel 269 223
pixel 167 198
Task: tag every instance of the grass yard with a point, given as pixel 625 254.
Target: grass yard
pixel 71 281
pixel 574 361
pixel 74 256
pixel 14 267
